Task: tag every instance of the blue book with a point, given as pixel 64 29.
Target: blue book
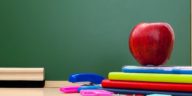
pixel 146 92
pixel 164 70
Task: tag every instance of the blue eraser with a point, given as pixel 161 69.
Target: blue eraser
pixel 93 87
pixel 86 77
pixel 158 95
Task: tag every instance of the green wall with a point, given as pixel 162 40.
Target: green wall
pixel 72 36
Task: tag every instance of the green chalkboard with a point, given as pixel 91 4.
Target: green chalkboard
pixel 72 36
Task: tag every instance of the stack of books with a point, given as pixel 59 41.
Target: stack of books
pixel 176 81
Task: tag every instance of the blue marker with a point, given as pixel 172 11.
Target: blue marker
pixel 86 77
pixel 94 81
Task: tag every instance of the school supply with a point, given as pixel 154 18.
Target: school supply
pixel 22 77
pixel 146 92
pixel 96 93
pixel 148 77
pixel 164 70
pixel 180 87
pixel 92 82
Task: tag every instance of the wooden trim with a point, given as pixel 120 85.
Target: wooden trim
pixel 34 74
pixel 57 84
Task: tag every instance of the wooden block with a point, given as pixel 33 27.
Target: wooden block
pixel 22 77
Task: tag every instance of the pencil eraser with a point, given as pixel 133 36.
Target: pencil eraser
pixel 70 89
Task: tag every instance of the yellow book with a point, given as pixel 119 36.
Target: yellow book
pixel 151 77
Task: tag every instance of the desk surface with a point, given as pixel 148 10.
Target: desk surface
pixel 51 89
pixel 33 92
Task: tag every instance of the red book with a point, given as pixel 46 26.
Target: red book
pixel 147 85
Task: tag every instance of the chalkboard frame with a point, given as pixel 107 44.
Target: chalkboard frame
pixel 191 29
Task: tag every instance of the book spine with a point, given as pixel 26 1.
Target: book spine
pixel 164 70
pixel 171 78
pixel 145 92
pixel 147 85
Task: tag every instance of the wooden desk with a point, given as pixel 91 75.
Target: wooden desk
pixel 33 92
pixel 51 89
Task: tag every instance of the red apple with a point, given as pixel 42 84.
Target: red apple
pixel 151 43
